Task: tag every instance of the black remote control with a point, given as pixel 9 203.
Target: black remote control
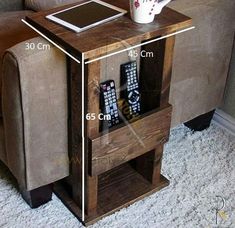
pixel 109 103
pixel 131 93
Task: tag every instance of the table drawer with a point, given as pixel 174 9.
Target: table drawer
pixel 126 142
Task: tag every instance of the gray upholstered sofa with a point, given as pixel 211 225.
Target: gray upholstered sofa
pixel 33 126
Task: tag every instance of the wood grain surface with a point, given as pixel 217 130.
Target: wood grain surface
pixel 129 141
pixel 106 38
pixel 118 188
pixel 124 164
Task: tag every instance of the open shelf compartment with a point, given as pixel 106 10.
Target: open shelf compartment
pixel 122 186
pixel 117 188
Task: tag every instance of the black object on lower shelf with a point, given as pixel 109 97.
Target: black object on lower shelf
pixel 201 122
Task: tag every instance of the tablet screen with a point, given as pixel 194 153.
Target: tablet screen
pixel 86 14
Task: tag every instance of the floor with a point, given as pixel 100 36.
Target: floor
pixel 201 170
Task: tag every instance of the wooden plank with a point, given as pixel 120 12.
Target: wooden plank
pixel 151 69
pixel 157 164
pixel 92 73
pixel 167 69
pixel 155 74
pixel 91 127
pixel 63 192
pixel 131 141
pixel 149 164
pixel 91 195
pixel 118 188
pixel 93 105
pixel 106 38
pixel 75 96
pixel 75 130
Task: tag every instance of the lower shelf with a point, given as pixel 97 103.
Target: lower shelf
pixel 122 186
pixel 118 188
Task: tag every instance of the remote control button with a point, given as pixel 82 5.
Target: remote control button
pixel 115 106
pixel 136 91
pixel 107 109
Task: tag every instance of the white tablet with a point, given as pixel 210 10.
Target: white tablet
pixel 86 15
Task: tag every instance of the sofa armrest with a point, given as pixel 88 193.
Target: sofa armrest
pixel 34 96
pixel 39 5
pixel 201 58
pixel 12 5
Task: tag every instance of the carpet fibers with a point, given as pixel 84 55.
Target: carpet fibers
pixel 201 170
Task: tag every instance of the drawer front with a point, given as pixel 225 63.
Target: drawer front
pixel 129 141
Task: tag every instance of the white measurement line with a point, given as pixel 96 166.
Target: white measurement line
pixel 48 39
pixel 139 45
pixel 83 138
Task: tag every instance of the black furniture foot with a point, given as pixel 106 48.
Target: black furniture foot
pixel 201 122
pixel 37 197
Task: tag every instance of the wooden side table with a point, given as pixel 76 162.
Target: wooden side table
pixel 124 164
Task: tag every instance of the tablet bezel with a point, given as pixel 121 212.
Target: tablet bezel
pixel 77 29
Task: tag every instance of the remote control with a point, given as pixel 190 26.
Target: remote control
pixel 131 93
pixel 109 103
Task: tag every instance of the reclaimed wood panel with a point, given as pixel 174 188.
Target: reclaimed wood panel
pixel 118 188
pixel 92 74
pixel 74 128
pixel 107 155
pixel 151 69
pixel 149 164
pixel 106 38
pixel 167 69
pixel 128 142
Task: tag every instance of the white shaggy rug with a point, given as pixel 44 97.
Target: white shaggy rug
pixel 201 170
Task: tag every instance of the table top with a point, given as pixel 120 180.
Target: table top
pixel 108 37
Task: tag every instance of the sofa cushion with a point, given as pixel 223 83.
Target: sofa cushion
pixel 12 5
pixel 39 5
pixel 12 31
pixel 201 58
